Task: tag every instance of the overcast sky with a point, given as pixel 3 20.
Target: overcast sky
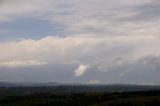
pixel 80 41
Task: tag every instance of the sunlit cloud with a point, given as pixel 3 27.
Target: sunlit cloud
pixel 27 63
pixel 80 70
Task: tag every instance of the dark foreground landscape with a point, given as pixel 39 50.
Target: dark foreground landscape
pixel 79 95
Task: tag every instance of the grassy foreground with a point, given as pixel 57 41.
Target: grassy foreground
pixel 143 98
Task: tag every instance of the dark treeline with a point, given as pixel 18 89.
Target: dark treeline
pixel 141 98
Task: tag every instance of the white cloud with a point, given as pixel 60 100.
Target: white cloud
pixel 80 70
pixel 27 63
pixel 99 52
pixel 11 9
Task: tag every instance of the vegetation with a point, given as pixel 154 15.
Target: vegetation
pixel 140 98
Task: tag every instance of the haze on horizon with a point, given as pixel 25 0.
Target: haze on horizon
pixel 80 41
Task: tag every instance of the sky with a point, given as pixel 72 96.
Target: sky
pixel 80 41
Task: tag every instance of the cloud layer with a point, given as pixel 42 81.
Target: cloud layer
pixel 117 40
pixel 76 50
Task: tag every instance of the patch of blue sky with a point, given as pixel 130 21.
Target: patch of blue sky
pixel 29 28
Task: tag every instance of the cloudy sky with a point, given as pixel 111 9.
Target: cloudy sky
pixel 80 41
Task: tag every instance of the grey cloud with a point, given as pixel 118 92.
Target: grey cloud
pixel 107 18
pixel 101 18
pixel 141 71
pixel 145 12
pixel 149 11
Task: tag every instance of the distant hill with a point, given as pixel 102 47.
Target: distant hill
pixel 27 84
pixel 81 87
